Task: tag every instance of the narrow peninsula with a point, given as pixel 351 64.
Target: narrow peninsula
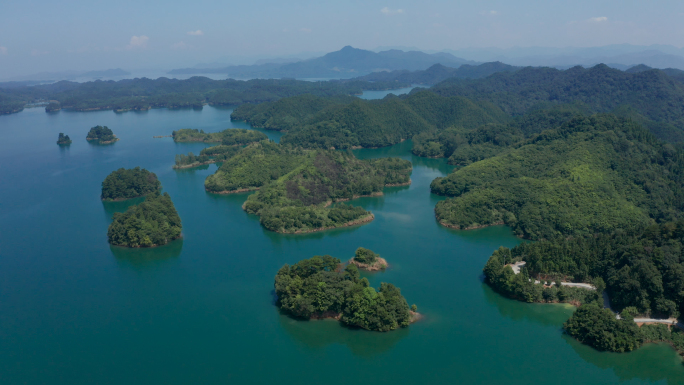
pixel 101 134
pixel 154 222
pixel 319 288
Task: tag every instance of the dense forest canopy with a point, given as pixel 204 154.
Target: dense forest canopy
pixel 318 287
pixel 297 187
pixel 143 94
pixel 591 175
pixel 227 137
pixel 102 134
pixel 651 97
pixel 212 154
pixel 153 222
pixel 348 123
pixel 129 183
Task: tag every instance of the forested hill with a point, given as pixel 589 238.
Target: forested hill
pixel 143 94
pixel 651 97
pixel 438 73
pixel 315 123
pixel 591 175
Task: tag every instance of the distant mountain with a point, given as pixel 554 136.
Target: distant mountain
pixel 621 56
pixel 346 63
pixel 438 72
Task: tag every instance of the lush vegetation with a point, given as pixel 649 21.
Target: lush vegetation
pixel 365 256
pixel 288 113
pixel 591 175
pixel 348 123
pixel 227 137
pixel 599 328
pixel 651 97
pixel 101 134
pixel 318 287
pixel 129 183
pixel 143 94
pixel 153 222
pixel 465 146
pixel 208 155
pixel 299 187
pixel 301 199
pixel 501 277
pixel 63 139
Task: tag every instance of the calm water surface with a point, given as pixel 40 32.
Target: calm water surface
pixel 74 310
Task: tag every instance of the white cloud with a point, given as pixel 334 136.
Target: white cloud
pixel 305 30
pixel 196 33
pixel 388 11
pixel 489 13
pixel 179 45
pixel 138 42
pixel 3 50
pixel 598 19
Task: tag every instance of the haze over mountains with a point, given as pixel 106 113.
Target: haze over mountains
pixel 353 62
pixel 346 63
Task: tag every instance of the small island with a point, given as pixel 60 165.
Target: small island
pixel 132 183
pixel 63 139
pixel 53 106
pixel 228 137
pixel 319 288
pixel 154 222
pixel 368 260
pixel 101 134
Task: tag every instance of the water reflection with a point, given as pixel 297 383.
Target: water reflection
pixel 318 334
pixel 142 258
pixel 546 314
pixel 651 362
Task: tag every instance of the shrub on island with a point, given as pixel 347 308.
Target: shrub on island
pixel 319 288
pixel 154 222
pixel 130 183
pixel 102 134
pixel 63 139
pixel 366 259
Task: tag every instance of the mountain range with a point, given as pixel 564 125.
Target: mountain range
pixel 348 62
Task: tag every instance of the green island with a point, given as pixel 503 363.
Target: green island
pixel 63 139
pixel 368 260
pixel 131 183
pixel 142 94
pixel 319 288
pixel 298 189
pixel 101 134
pixel 228 137
pixel 154 222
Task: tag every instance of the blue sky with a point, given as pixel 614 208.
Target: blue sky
pixel 84 35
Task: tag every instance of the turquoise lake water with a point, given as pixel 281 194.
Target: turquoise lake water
pixel 74 310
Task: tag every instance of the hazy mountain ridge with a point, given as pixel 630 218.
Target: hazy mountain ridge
pixel 346 63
